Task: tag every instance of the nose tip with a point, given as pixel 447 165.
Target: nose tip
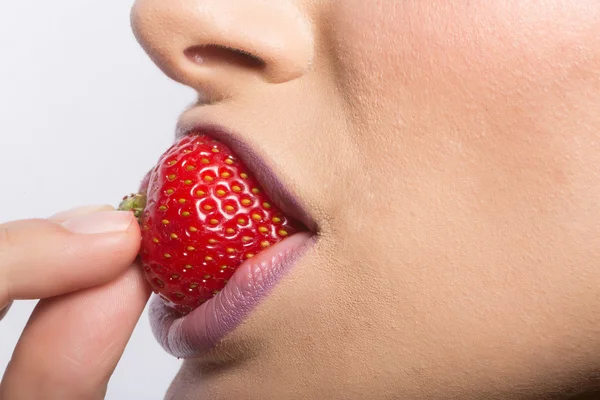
pixel 213 45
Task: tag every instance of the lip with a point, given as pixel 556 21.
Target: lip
pixel 199 331
pixel 279 194
pixel 196 333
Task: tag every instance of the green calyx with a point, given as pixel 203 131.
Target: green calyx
pixel 135 203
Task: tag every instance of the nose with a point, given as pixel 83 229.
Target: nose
pixel 215 46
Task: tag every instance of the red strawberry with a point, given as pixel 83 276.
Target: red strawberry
pixel 202 216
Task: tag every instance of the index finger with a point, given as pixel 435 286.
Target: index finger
pixel 72 343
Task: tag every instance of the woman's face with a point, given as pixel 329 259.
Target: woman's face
pixel 449 153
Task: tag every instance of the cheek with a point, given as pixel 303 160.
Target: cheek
pixel 462 48
pixel 488 90
pixel 478 121
pixel 475 123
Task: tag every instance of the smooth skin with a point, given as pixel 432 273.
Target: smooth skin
pixel 449 152
pixel 80 264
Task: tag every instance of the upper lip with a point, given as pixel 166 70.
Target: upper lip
pixel 279 193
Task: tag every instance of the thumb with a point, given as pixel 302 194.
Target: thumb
pixel 42 258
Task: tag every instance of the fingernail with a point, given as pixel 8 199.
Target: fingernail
pixel 100 222
pixel 75 212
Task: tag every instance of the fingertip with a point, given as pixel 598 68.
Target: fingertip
pixel 116 250
pixel 118 232
pixel 138 284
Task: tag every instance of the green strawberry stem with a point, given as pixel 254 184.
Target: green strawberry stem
pixel 134 202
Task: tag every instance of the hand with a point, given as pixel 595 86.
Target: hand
pixel 79 264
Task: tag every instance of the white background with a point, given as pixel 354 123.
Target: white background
pixel 83 114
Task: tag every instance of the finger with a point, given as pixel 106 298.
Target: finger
pixel 78 212
pixel 4 310
pixel 61 217
pixel 42 258
pixel 72 343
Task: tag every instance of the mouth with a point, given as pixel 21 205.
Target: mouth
pixel 279 194
pixel 203 328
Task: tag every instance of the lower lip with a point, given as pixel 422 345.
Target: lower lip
pixel 199 331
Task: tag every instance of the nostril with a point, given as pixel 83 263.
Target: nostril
pixel 211 55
